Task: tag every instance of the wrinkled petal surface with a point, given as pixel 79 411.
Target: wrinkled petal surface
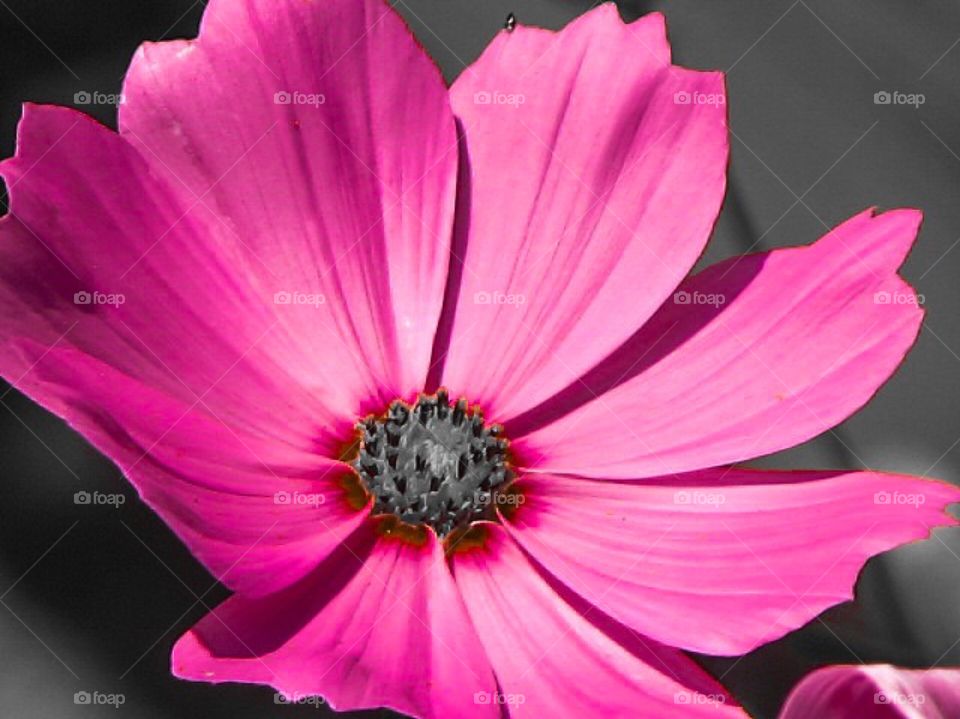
pixel 322 134
pixel 876 691
pixel 596 171
pixel 724 560
pixel 377 625
pixel 552 660
pixel 97 254
pixel 750 356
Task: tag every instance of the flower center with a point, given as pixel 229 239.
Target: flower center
pixel 433 464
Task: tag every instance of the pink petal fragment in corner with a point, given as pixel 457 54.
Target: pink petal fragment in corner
pixel 551 661
pixel 592 162
pixel 380 624
pixel 723 560
pixel 752 355
pixel 877 691
pixel 321 132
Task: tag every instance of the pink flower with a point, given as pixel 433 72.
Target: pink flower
pixel 877 691
pixel 299 228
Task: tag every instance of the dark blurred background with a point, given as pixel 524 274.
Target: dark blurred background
pixel 91 598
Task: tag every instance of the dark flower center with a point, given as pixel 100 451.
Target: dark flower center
pixel 433 464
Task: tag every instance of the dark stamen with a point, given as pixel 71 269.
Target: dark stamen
pixel 432 464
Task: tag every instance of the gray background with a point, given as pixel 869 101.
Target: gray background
pixel 91 598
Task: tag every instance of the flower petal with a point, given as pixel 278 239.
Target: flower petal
pixel 550 660
pixel 166 356
pixel 258 513
pixel 586 170
pixel 99 255
pixel 753 355
pixel 878 691
pixel 322 133
pixel 381 623
pixel 723 560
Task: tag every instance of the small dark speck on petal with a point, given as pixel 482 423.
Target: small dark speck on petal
pixel 510 23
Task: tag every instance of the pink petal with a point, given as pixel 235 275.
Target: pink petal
pixel 98 255
pixel 380 624
pixel 260 514
pixel 190 380
pixel 877 691
pixel 723 560
pixel 346 191
pixel 551 661
pixel 585 173
pixel 774 349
